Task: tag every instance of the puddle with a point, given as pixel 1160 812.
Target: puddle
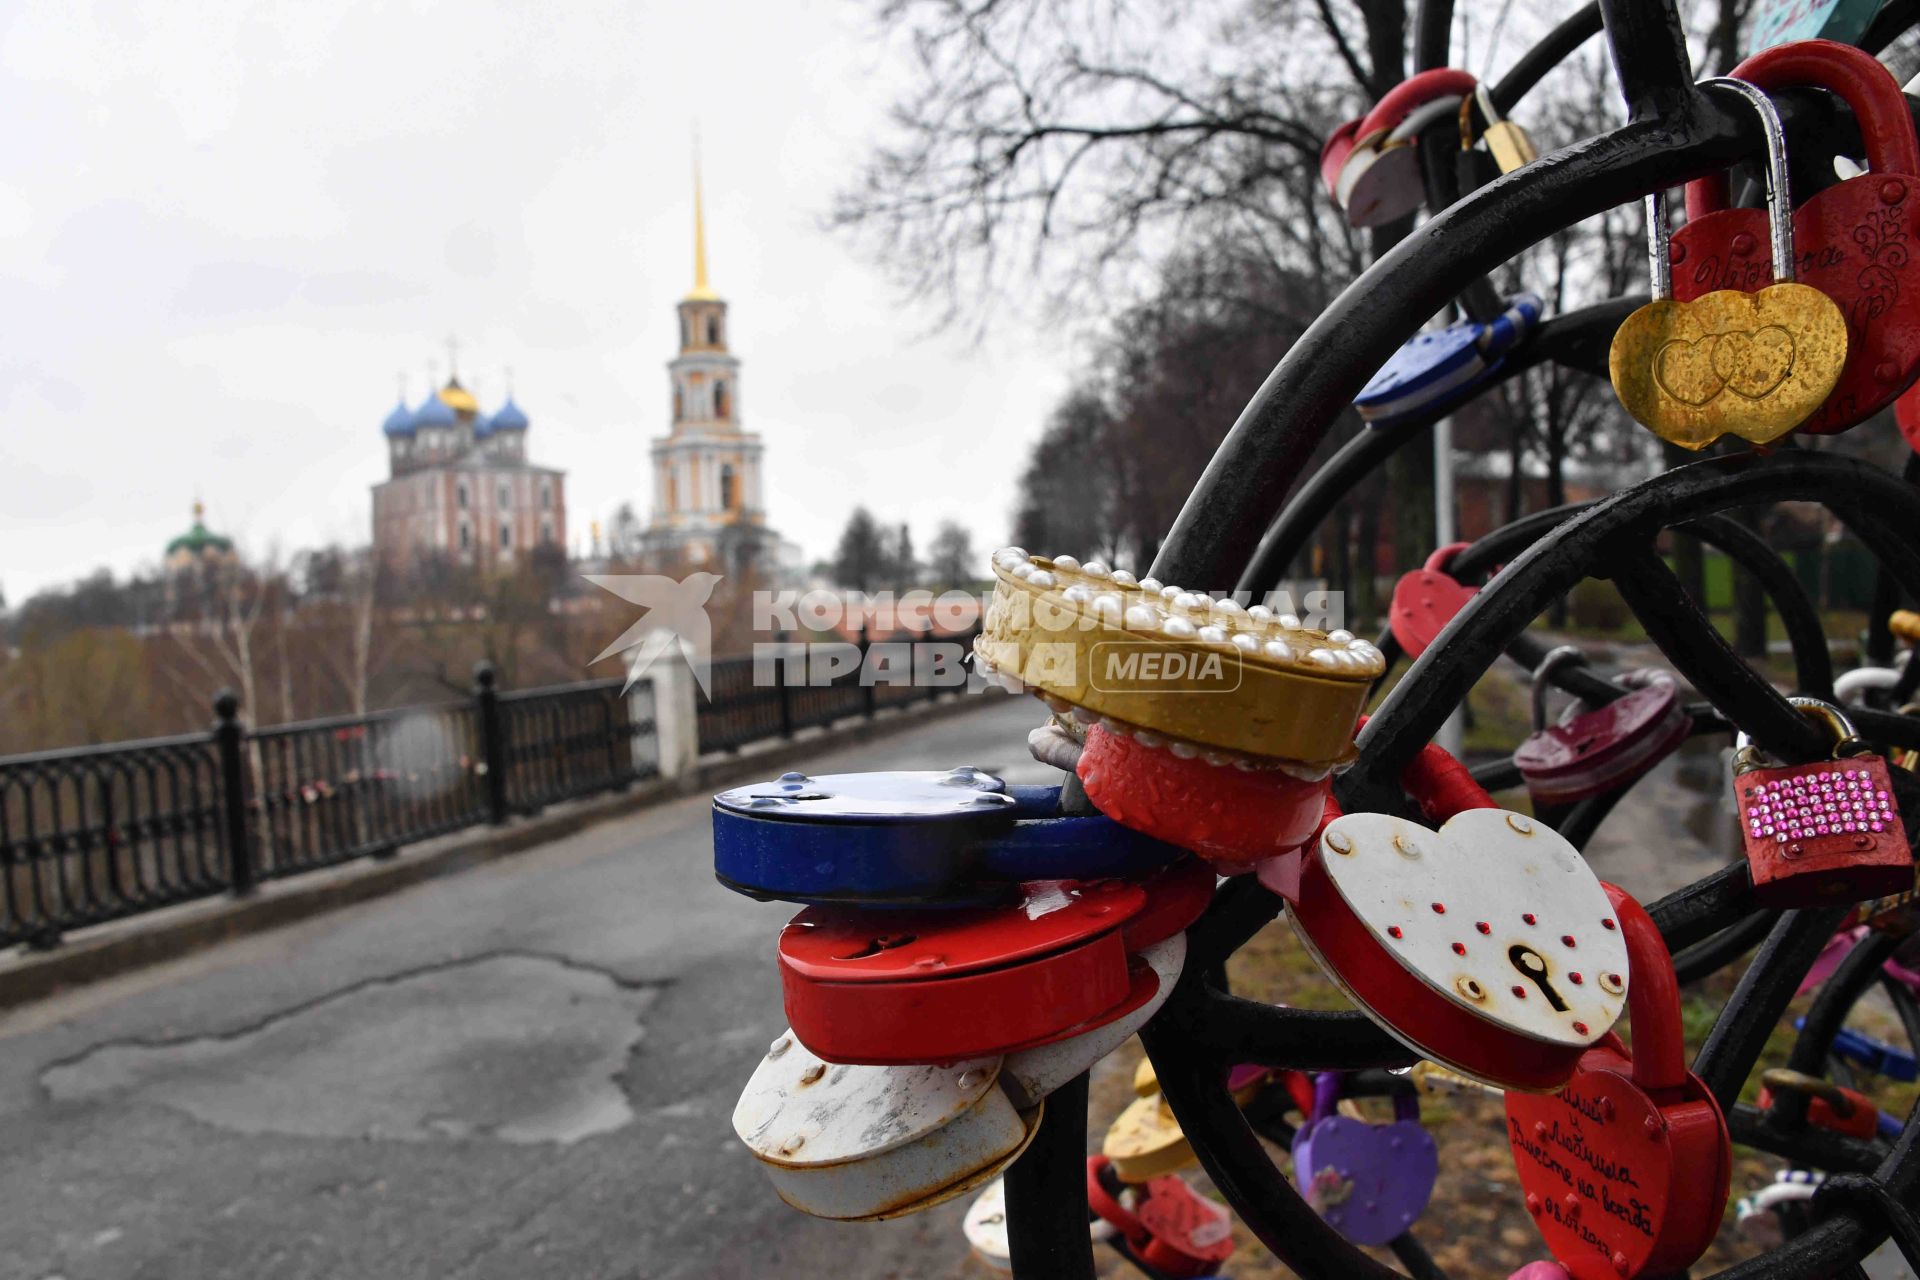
pixel 522 1049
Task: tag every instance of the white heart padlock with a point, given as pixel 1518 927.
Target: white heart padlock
pixel 857 1142
pixel 1031 1074
pixel 1488 946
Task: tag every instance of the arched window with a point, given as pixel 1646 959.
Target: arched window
pixel 506 535
pixel 460 496
pixel 466 536
pixel 679 404
pixel 686 338
pixel 506 494
pixel 713 331
pixel 546 495
pixel 719 398
pixel 729 494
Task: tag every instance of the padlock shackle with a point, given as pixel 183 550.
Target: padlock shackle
pixel 1443 556
pixel 1557 656
pixel 1326 1093
pixel 1653 998
pixel 1779 196
pixel 1857 78
pixel 1415 91
pixel 1819 709
pixel 1111 1211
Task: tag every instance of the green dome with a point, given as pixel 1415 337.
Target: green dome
pixel 199 539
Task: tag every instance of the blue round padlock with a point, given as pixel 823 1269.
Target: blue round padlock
pixel 958 838
pixel 1441 367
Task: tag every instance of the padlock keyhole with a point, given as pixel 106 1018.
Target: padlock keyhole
pixel 1533 967
pixel 885 942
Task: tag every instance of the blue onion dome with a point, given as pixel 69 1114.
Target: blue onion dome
pixel 400 421
pixel 434 412
pixel 482 427
pixel 511 417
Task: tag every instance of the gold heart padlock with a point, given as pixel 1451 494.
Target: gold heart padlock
pixel 1755 365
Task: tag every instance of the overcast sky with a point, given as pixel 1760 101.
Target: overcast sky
pixel 227 227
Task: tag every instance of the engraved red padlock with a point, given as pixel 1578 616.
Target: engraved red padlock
pixel 1172 1228
pixel 1425 600
pixel 1825 832
pixel 1855 241
pixel 1626 1170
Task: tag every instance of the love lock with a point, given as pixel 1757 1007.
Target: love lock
pixel 1626 1170
pixel 858 1142
pixel 1505 141
pixel 1369 1181
pixel 1425 601
pixel 1145 1140
pixel 1861 1050
pixel 1231 776
pixel 1829 1106
pixel 1033 1074
pixel 1758 1216
pixel 1487 946
pixel 1170 1227
pixel 1755 365
pixel 1442 367
pixel 1781 21
pixel 953 838
pixel 1823 832
pixel 1906 415
pixel 1853 240
pixel 985 1227
pixel 1378 178
pixel 1594 752
pixel 869 986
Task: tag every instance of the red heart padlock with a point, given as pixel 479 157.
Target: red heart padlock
pixel 1172 1229
pixel 905 987
pixel 1854 241
pixel 1626 1170
pixel 1380 180
pixel 1425 601
pixel 1600 750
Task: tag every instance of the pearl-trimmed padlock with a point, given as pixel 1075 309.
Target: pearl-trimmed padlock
pixel 1754 365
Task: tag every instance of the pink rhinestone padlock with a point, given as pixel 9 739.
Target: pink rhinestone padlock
pixel 1825 832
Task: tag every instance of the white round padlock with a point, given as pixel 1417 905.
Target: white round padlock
pixel 1031 1074
pixel 985 1227
pixel 861 1142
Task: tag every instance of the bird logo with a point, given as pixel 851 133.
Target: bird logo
pixel 675 617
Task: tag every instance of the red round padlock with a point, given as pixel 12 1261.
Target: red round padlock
pixel 1333 155
pixel 1177 894
pixel 1426 600
pixel 1380 180
pixel 1173 1230
pixel 1599 750
pixel 1233 817
pixel 1626 1170
pixel 1854 241
pixel 904 987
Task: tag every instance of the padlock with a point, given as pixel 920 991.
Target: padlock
pixel 1541 1271
pixel 926 838
pixel 1170 1228
pixel 1906 415
pixel 1852 241
pixel 1758 1215
pixel 1506 141
pixel 1824 832
pixel 859 1142
pixel 1145 1141
pixel 1861 1050
pixel 1439 368
pixel 1781 21
pixel 1626 1170
pixel 1369 1181
pixel 1487 946
pixel 1334 153
pixel 985 1227
pixel 1754 365
pixel 1032 1074
pixel 881 987
pixel 1380 180
pixel 1829 1106
pixel 1425 600
pixel 1602 750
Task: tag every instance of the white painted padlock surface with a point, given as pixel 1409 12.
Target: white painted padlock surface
pixel 849 1142
pixel 1488 946
pixel 986 1227
pixel 1032 1074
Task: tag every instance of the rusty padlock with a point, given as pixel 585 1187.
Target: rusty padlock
pixel 1170 1228
pixel 1829 1106
pixel 1853 241
pixel 1626 1170
pixel 1425 600
pixel 1593 752
pixel 1824 832
pixel 861 1142
pixel 1729 362
pixel 1487 946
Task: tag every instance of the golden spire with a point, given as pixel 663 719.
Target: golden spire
pixel 702 291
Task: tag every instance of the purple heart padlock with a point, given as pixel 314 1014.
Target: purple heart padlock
pixel 1369 1181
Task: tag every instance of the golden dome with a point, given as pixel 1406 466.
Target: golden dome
pixel 458 398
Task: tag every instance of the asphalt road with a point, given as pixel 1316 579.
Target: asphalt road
pixel 524 1070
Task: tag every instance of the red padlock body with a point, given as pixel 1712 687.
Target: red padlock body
pixel 1600 750
pixel 1823 833
pixel 1906 412
pixel 1619 1183
pixel 1185 1235
pixel 1719 249
pixel 1176 896
pixel 1334 153
pixel 1223 813
pixel 897 987
pixel 1862 1122
pixel 1424 602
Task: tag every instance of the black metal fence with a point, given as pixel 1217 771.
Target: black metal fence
pixel 97 833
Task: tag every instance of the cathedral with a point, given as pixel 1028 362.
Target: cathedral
pixel 708 508
pixel 460 490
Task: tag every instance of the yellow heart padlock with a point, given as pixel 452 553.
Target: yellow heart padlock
pixel 1754 365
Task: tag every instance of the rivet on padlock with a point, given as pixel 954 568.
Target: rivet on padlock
pixel 1852 240
pixel 1823 832
pixel 1754 365
pixel 1369 1181
pixel 1648 1178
